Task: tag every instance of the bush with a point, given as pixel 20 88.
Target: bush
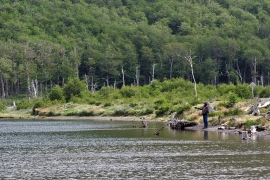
pixel 243 91
pixel 86 113
pixel 105 92
pixel 146 111
pixel 74 87
pixel 127 91
pixel 265 92
pixel 2 106
pixel 250 123
pixel 233 112
pixel 24 104
pixel 57 94
pixel 180 110
pixel 162 110
pixel 232 100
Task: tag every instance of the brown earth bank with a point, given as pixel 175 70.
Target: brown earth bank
pixel 222 115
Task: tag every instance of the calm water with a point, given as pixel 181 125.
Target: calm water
pixel 116 150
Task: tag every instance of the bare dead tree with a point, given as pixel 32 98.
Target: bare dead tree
pixel 137 75
pixel 114 84
pixel 86 81
pixel 262 80
pixel 107 81
pixel 33 87
pixel 123 76
pixel 93 85
pixel 239 73
pixel 153 72
pixel 253 66
pixel 188 56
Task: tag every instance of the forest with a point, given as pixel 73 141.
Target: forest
pixel 116 43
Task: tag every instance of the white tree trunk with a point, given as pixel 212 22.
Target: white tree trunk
pixel 137 75
pixel 34 87
pixel 153 73
pixel 189 58
pixel 123 76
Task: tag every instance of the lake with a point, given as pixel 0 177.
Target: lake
pixel 88 149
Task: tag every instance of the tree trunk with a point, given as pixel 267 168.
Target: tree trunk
pixel 3 95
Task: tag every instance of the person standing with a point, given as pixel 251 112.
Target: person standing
pixel 205 112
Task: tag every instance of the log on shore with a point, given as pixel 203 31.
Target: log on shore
pixel 180 124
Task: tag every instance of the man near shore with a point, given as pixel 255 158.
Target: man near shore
pixel 205 112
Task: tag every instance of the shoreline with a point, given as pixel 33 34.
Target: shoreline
pixel 259 134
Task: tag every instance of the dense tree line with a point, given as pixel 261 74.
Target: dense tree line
pixel 125 42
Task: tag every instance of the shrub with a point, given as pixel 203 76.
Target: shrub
pixel 86 113
pixel 105 92
pixel 2 106
pixel 146 111
pixel 249 123
pixel 24 104
pixel 180 110
pixel 265 92
pixel 233 112
pixel 232 100
pixel 162 110
pixel 224 89
pixel 231 123
pixel 243 91
pixel 74 87
pixel 133 104
pixel 107 104
pixel 57 94
pixel 127 91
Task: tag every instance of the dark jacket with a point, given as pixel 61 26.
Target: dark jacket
pixel 205 110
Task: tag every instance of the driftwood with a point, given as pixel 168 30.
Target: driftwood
pixel 254 109
pixel 144 124
pixel 157 132
pixel 180 124
pixel 261 128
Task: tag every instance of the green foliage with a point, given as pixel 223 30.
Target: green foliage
pixel 161 110
pixel 231 123
pixel 2 106
pixel 232 100
pixel 24 104
pixel 105 92
pixel 127 92
pixel 105 38
pixel 264 92
pixel 226 88
pixel 57 94
pixel 180 110
pixel 161 107
pixel 233 112
pixel 250 123
pixel 243 91
pixel 74 87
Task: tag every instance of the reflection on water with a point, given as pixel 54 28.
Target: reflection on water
pixel 116 150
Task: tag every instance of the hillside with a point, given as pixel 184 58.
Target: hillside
pixel 123 42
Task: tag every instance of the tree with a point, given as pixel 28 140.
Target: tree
pixel 188 56
pixel 5 72
pixel 74 87
pixel 57 94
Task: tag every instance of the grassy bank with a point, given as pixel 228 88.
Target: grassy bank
pixel 156 101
